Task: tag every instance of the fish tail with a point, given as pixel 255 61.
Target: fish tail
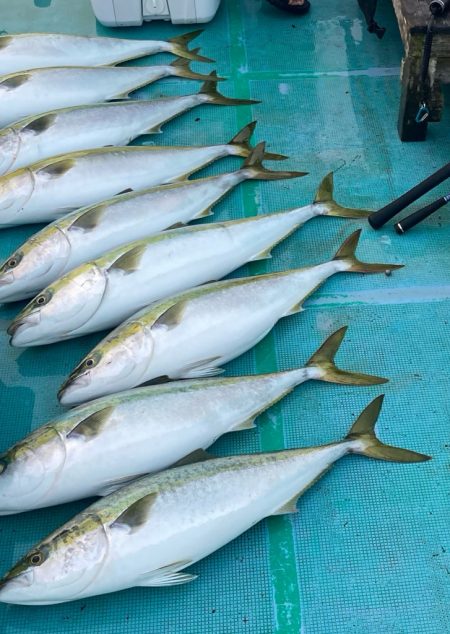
pixel 324 197
pixel 241 145
pixel 180 68
pixel 209 88
pixel 323 360
pixel 363 431
pixel 346 254
pixel 179 47
pixel 253 168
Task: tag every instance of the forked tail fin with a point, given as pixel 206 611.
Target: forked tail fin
pixel 179 47
pixel 242 146
pixel 363 431
pixel 254 169
pixel 346 254
pixel 209 88
pixel 180 68
pixel 323 360
pixel 324 196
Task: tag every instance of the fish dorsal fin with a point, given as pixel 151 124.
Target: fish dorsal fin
pixel 167 575
pixel 129 261
pixel 15 81
pixel 170 317
pixel 135 515
pixel 91 426
pixel 128 190
pixel 204 213
pixel 289 507
pixel 199 455
pixel 40 124
pixel 58 168
pixel 90 219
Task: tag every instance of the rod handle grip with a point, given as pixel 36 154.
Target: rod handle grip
pixel 411 221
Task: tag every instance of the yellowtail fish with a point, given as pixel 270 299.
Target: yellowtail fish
pixel 149 531
pixel 23 51
pixel 38 90
pixel 51 188
pixel 96 448
pixel 191 334
pixel 92 126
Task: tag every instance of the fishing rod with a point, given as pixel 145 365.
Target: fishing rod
pixel 382 216
pixel 411 221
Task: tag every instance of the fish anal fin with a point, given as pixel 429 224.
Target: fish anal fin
pixel 156 129
pixel 128 190
pixel 288 507
pixel 296 308
pixel 177 225
pixel 201 369
pixel 90 219
pixel 167 576
pixel 129 261
pixel 245 424
pixel 91 426
pixel 264 255
pixel 199 455
pixel 135 515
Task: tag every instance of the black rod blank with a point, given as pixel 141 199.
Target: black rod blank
pixel 379 218
pixel 411 221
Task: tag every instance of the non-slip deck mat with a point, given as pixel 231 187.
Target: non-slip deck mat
pixel 368 553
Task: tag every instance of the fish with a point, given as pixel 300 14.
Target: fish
pixel 87 233
pixel 146 533
pixel 192 333
pixel 48 189
pixel 38 90
pixel 25 51
pixel 92 126
pixel 102 293
pixel 96 448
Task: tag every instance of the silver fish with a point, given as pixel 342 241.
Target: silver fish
pixel 88 127
pixel 147 532
pixel 23 51
pixel 39 90
pixel 191 334
pixel 49 189
pixel 96 448
pixel 102 293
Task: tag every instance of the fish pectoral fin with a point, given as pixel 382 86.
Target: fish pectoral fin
pixel 201 369
pixel 129 262
pixel 91 426
pixel 90 219
pixel 289 507
pixel 114 485
pixel 170 317
pixel 204 213
pixel 167 576
pixel 246 424
pixel 264 255
pixel 199 455
pixel 297 308
pixel 135 515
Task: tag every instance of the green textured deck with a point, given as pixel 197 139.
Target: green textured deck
pixel 369 551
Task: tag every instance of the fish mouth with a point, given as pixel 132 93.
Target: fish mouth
pixel 6 279
pixel 20 324
pixel 65 392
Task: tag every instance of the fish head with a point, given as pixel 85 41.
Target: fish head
pixel 9 149
pixel 29 470
pixel 118 363
pixel 61 567
pixel 38 262
pixel 16 189
pixel 61 308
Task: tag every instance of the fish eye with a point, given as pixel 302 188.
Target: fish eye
pixel 36 558
pixel 89 363
pixel 43 298
pixel 40 300
pixel 12 262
